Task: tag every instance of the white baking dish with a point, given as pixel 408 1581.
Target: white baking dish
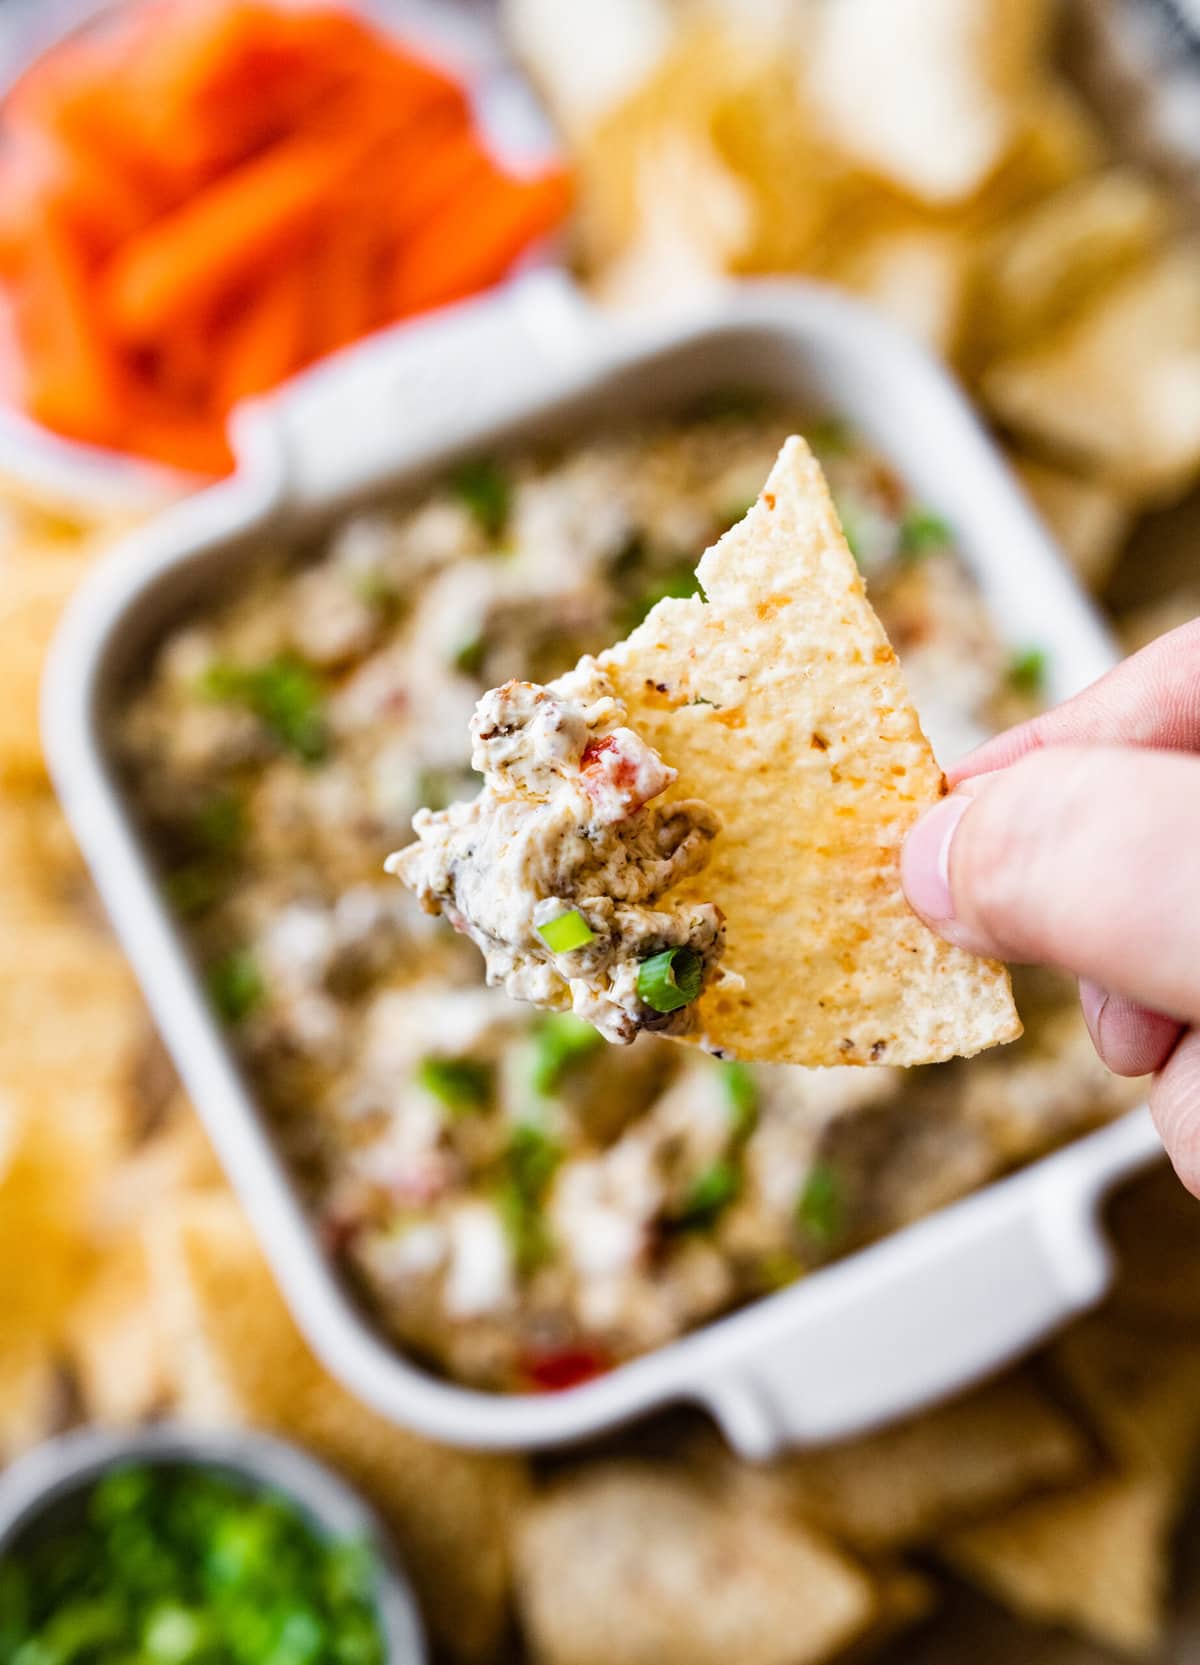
pixel 893 1326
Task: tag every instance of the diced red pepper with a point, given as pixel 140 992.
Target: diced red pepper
pixel 567 1367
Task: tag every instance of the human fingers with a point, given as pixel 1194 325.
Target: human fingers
pixel 1129 1037
pixel 1175 1106
pixel 1078 857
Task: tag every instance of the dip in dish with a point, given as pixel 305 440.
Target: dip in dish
pixel 521 1205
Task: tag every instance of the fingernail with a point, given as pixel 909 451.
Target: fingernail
pixel 1093 999
pixel 925 862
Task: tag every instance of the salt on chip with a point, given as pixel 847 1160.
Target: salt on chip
pixel 780 703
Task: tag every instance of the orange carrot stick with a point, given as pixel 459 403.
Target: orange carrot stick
pixel 342 286
pixel 267 342
pixel 72 378
pixel 471 243
pixel 184 261
pixel 195 445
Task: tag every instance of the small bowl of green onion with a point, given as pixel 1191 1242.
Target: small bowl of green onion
pixel 178 1546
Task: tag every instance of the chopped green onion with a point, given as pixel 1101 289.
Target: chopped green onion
pixel 191 1567
pixel 678 584
pixel 560 1040
pixel 669 980
pixel 729 404
pixel 778 1268
pixel 373 588
pixel 220 823
pixel 283 694
pixel 1027 671
pixel 709 1194
pixel 848 516
pixel 532 1157
pixel 458 1083
pixel 565 932
pixel 741 1092
pixel 235 985
pixel 193 888
pixel 733 513
pixel 469 657
pixel 483 487
pixel 529 1166
pixel 820 1207
pixel 830 436
pixel 921 531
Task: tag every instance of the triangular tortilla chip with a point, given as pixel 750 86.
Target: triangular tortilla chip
pixel 1093 1558
pixel 780 703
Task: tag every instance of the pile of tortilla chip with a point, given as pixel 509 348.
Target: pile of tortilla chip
pixel 929 155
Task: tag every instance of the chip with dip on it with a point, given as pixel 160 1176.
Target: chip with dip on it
pixel 732 783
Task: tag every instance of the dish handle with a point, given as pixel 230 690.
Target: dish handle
pixel 351 423
pixel 916 1318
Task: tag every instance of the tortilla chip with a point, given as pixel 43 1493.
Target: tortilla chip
pixel 905 1598
pixel 235 1354
pixel 587 59
pixel 1118 389
pixel 920 275
pixel 34 588
pixel 1094 1559
pixel 175 1160
pixel 643 1563
pixel 113 1340
pixel 780 703
pixel 910 1482
pixel 40 861
pixel 30 1395
pixel 1066 248
pixel 1141 1391
pixel 1087 518
pixel 1155 1227
pixel 927 93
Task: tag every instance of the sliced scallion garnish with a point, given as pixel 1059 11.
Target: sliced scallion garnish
pixel 458 1083
pixel 1027 671
pixel 565 932
pixel 741 1093
pixel 820 1207
pixel 920 532
pixel 709 1194
pixel 669 980
pixel 560 1040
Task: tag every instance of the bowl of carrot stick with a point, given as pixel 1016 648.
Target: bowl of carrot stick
pixel 200 198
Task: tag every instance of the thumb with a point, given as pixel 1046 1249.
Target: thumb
pixel 1078 857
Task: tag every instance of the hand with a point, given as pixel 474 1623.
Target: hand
pixel 1074 841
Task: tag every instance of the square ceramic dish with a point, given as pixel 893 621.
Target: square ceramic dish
pixel 893 1326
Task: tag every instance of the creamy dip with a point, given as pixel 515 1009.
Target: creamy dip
pixel 561 869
